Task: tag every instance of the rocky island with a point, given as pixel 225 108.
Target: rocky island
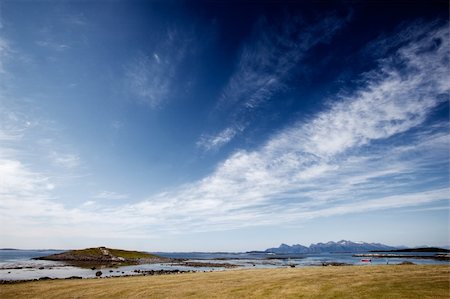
pixel 105 256
pixel 441 254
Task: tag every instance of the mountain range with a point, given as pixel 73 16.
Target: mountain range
pixel 340 246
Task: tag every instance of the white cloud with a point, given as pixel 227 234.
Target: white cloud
pixel 156 56
pixel 89 203
pixel 5 52
pixel 75 19
pixel 53 45
pixel 110 195
pixel 149 77
pixel 208 142
pixel 64 160
pixel 266 63
pixel 15 177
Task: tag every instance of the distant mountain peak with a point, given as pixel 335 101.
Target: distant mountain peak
pixel 331 246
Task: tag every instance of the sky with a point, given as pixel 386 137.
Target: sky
pixel 223 125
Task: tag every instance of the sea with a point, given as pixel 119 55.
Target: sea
pixel 19 265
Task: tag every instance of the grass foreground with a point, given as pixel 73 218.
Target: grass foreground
pixel 389 281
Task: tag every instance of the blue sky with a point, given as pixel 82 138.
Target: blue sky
pixel 179 126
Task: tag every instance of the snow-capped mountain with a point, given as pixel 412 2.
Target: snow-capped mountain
pixel 341 246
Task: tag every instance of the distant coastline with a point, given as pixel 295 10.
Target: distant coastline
pixel 419 249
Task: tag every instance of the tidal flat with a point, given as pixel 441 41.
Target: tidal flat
pixel 387 281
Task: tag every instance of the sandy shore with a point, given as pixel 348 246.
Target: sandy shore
pixel 412 281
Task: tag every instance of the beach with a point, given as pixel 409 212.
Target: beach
pixel 387 281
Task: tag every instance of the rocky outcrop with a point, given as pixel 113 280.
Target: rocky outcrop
pixel 103 255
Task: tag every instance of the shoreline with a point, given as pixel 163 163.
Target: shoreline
pixel 138 273
pixel 412 281
pixel 438 257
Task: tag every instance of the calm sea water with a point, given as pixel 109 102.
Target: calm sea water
pixel 18 264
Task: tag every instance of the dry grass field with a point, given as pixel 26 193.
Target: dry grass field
pixel 411 281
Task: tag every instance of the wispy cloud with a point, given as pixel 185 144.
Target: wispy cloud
pixel 65 160
pixel 117 124
pixel 53 45
pixel 324 166
pixel 150 76
pixel 371 149
pixel 73 25
pixel 110 195
pixel 75 19
pixel 5 52
pixel 12 127
pixel 265 65
pixel 211 142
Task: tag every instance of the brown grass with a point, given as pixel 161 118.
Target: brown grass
pixel 313 282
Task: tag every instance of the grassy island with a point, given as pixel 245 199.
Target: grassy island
pixel 103 255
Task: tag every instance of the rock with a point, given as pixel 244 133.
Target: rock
pixel 98 273
pixel 45 278
pixel 111 271
pixel 93 268
pixel 41 268
pixel 74 277
pixel 335 264
pixel 442 257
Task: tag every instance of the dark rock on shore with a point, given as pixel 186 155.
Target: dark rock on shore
pixel 419 249
pixel 161 272
pixel 45 278
pixel 335 264
pixel 98 273
pixel 206 264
